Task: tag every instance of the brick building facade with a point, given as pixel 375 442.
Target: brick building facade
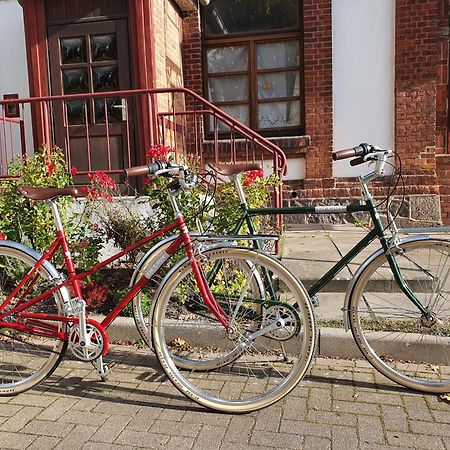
pixel 167 49
pixel 421 91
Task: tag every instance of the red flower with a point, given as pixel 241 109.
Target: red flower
pixel 2 236
pixel 250 177
pixel 159 151
pixel 74 170
pixel 50 168
pixel 148 180
pixel 84 191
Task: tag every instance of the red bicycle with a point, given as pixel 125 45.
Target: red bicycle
pixel 247 326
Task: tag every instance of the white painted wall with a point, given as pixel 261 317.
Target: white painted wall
pixel 363 76
pixel 13 61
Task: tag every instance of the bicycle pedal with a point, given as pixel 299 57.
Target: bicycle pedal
pixel 103 369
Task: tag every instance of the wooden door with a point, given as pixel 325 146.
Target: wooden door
pixel 85 58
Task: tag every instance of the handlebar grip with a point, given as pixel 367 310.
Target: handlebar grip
pixel 148 169
pixel 360 150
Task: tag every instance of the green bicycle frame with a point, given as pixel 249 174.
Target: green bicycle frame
pixel 377 231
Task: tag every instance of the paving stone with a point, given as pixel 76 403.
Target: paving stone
pixel 179 443
pixel 356 408
pixel 240 429
pixel 305 428
pixel 210 437
pixel 44 443
pixel 277 440
pixel 318 443
pixel 29 399
pixel 20 419
pixel 8 410
pixel 15 440
pixel 86 404
pixel 144 419
pixel 332 418
pixel 370 430
pixel 268 419
pixel 83 418
pixel 416 408
pixel 47 428
pixel 77 437
pixel 175 428
pixel 380 399
pixel 295 408
pixel 113 426
pixel 394 418
pixel 414 440
pixel 57 409
pixel 435 429
pixel 100 446
pixel 344 438
pixel 441 416
pixel 319 399
pixel 142 439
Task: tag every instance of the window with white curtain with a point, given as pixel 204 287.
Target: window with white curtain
pixel 253 63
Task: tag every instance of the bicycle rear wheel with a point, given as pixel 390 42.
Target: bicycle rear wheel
pixel 274 331
pixel 26 359
pixel 390 330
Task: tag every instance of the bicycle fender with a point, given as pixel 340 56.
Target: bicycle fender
pixel 160 246
pixel 363 267
pixel 49 267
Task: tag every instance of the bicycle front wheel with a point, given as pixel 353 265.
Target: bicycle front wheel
pixel 26 359
pixel 390 330
pixel 273 336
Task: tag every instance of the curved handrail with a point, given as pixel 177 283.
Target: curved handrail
pixel 238 126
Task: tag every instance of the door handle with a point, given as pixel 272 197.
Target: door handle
pixel 123 107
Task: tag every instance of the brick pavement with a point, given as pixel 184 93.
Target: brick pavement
pixel 341 404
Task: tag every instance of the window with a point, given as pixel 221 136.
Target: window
pixel 253 63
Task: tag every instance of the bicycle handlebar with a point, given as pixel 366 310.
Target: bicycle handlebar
pixel 148 169
pixel 360 150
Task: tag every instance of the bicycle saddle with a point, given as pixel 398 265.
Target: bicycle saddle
pixel 35 193
pixel 233 169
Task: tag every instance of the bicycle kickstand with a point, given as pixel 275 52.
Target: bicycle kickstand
pixel 103 369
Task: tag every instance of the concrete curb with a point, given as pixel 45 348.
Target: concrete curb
pixel 332 342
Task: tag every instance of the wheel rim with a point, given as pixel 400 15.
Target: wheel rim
pixel 257 373
pixel 389 329
pixel 25 360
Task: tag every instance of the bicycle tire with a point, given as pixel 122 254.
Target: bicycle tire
pixel 260 370
pixel 388 327
pixel 26 360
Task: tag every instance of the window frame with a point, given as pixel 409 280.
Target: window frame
pixel 250 40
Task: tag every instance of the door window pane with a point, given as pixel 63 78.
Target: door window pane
pixel 75 81
pixel 225 89
pixel 104 48
pixel 227 59
pixel 105 78
pixel 279 114
pixel 114 107
pixel 237 16
pixel 278 55
pixel 281 84
pixel 77 110
pixel 73 50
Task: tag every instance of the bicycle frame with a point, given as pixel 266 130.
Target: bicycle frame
pixel 39 324
pixel 378 231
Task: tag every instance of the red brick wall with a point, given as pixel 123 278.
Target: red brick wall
pixel 318 91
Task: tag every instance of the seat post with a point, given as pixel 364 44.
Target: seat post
pixel 56 215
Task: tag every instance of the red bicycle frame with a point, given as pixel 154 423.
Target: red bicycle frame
pixel 43 324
